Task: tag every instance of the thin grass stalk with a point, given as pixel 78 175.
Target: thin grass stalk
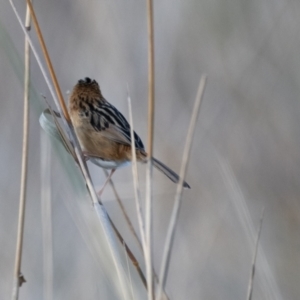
pixel 136 183
pixel 135 179
pixel 151 82
pixel 130 255
pixel 128 221
pixel 267 279
pixel 46 217
pixel 177 202
pixel 251 279
pixel 129 273
pixel 27 25
pixel 148 206
pixel 18 278
pixel 100 210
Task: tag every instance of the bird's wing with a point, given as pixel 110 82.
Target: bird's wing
pixel 108 121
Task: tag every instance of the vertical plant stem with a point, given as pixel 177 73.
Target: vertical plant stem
pixel 151 83
pixel 148 206
pixel 130 254
pixel 137 195
pixel 251 280
pixel 178 196
pixel 46 216
pixel 18 278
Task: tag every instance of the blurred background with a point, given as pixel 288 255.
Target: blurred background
pixel 245 155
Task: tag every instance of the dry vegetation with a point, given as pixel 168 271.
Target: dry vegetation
pixel 245 153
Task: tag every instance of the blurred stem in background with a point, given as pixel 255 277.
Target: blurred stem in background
pixel 46 211
pixel 178 196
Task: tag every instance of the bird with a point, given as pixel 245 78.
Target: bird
pixel 104 133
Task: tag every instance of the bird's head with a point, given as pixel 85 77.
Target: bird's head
pixel 87 85
pixel 88 82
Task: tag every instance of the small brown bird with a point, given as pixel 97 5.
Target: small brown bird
pixel 104 133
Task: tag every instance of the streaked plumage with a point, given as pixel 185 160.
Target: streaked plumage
pixel 103 132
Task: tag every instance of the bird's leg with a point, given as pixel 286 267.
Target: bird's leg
pixel 106 182
pixel 86 155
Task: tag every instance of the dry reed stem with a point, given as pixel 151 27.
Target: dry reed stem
pixel 137 193
pixel 148 206
pixel 151 74
pixel 251 280
pixel 136 184
pixel 177 202
pixel 18 278
pixel 130 255
pixel 127 219
pixel 100 210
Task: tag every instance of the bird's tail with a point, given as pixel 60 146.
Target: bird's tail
pixel 168 172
